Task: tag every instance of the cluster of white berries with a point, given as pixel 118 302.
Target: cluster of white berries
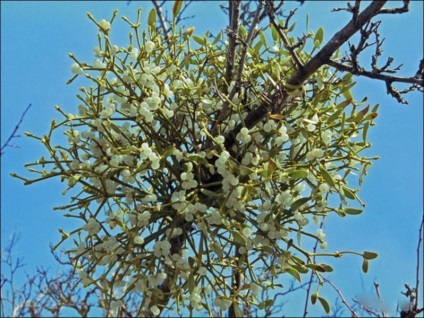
pixel 130 125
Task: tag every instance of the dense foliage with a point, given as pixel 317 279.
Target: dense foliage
pixel 178 199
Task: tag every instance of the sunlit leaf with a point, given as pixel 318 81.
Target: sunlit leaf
pixel 316 267
pixel 319 36
pixel 299 174
pixel 217 38
pixel 324 304
pixel 152 19
pixel 349 193
pixel 176 9
pixel 276 116
pixel 262 37
pixel 327 176
pixel 352 211
pixel 199 40
pixel 274 33
pixel 238 238
pixel 294 273
pixel 189 31
pixel 299 202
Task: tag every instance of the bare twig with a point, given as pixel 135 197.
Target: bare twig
pixel 419 255
pixel 389 79
pixel 311 279
pixel 15 130
pixel 403 9
pixel 338 291
pixel 162 21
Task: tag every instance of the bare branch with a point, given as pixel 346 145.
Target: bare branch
pixel 15 130
pixel 302 74
pixel 338 291
pixel 403 9
pixel 389 79
pixel 291 49
pixel 162 21
pixel 324 55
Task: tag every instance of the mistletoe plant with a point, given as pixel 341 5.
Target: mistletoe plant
pixel 186 195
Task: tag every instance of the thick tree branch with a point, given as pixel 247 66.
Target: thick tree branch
pixel 302 74
pixel 323 56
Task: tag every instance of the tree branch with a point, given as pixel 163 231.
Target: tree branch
pixel 389 79
pixel 15 130
pixel 162 21
pixel 302 74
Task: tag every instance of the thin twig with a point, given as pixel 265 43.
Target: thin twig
pixel 162 21
pixel 13 135
pixel 419 255
pixel 338 291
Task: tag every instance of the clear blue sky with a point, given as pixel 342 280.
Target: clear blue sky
pixel 36 38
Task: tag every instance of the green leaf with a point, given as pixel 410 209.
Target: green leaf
pixel 347 78
pixel 168 151
pixel 327 268
pixel 341 212
pixel 344 103
pixel 320 267
pixel 347 93
pixel 294 273
pixel 271 167
pixel 265 304
pixel 324 304
pixel 316 267
pixel 209 193
pixel 365 266
pixel 178 4
pixel 238 238
pixel 369 255
pixel 217 38
pixel 152 19
pixel 242 32
pixel 314 298
pixel 257 46
pixel 262 38
pixel 217 249
pixel 346 90
pixel 299 202
pixel 352 211
pixel 334 116
pixel 190 283
pixel 365 131
pixel 274 33
pixel 342 195
pixel 327 177
pixel 199 40
pixel 319 36
pixel 299 174
pixel 237 310
pixel 307 22
pixel 291 28
pixel 189 31
pixel 349 193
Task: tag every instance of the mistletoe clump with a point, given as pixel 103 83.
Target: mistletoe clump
pixel 180 197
